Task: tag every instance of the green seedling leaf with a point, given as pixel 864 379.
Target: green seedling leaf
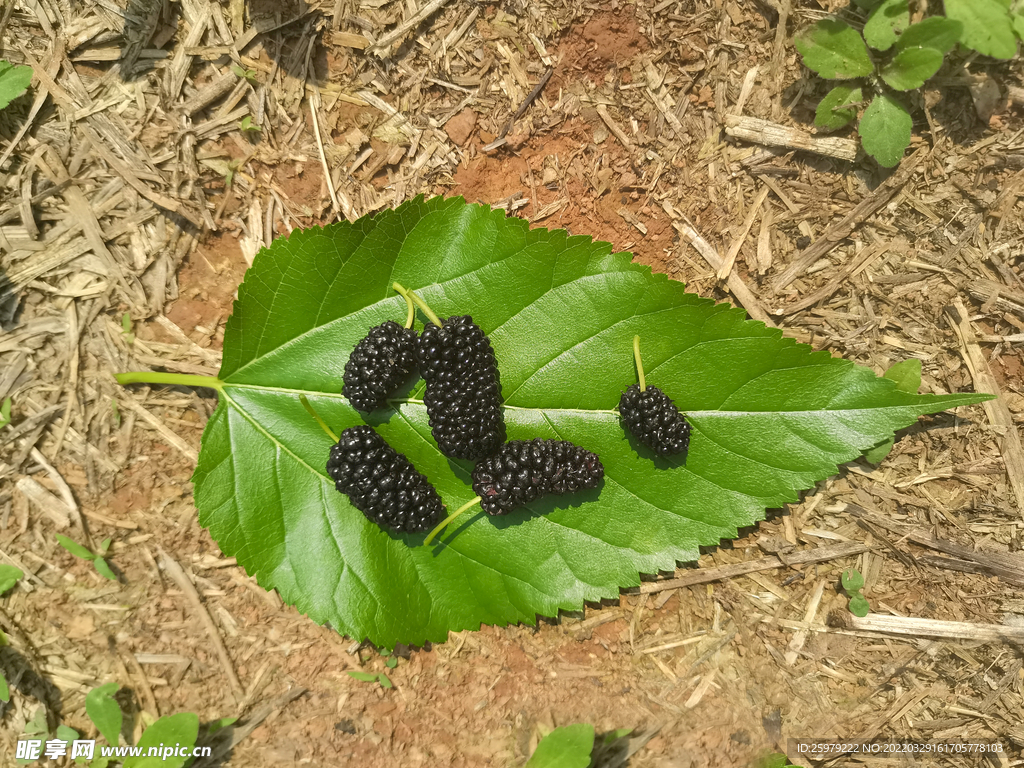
pixel 566 747
pixel 178 733
pixel 105 712
pixel 229 173
pixel 245 74
pixel 886 23
pixel 391 663
pixel 835 111
pixel 1018 25
pixel 911 67
pixel 105 545
pixel 248 125
pixel 385 681
pixel 770 418
pixel 5 412
pixel 366 677
pixel 936 32
pixel 859 605
pixel 37 724
pixel 66 733
pixel 103 569
pixel 852 580
pixel 14 81
pixel 885 129
pixel 5 690
pixel 774 760
pixel 986 26
pixel 9 576
pixel 834 50
pixel 75 548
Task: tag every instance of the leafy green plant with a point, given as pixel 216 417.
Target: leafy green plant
pixel 98 559
pixel 376 677
pixel 14 81
pixel 248 126
pixel 231 168
pixel 905 56
pixel 853 583
pixel 9 576
pixel 775 760
pixel 245 74
pixel 372 677
pixel 770 417
pixel 126 328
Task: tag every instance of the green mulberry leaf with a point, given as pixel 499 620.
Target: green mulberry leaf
pixel 885 129
pixel 1018 25
pixel 566 747
pixel 987 27
pixel 770 418
pixel 886 23
pixel 838 108
pixel 936 32
pixel 14 81
pixel 834 50
pixel 911 67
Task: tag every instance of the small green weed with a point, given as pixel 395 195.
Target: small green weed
pixel 853 583
pixel 376 677
pixel 248 126
pixel 775 760
pixel 904 57
pixel 9 576
pixel 180 730
pixel 126 328
pixel 97 559
pixel 5 412
pixel 245 74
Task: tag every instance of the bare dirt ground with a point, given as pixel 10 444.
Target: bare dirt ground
pixel 131 188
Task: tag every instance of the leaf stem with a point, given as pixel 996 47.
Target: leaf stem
pixel 408 300
pixel 158 377
pixel 419 303
pixel 323 424
pixel 639 363
pixel 444 523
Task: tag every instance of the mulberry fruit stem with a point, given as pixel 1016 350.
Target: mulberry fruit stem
pixel 408 300
pixel 639 363
pixel 173 379
pixel 444 523
pixel 319 420
pixel 419 303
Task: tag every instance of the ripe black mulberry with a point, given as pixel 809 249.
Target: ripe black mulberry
pixel 379 364
pixel 525 470
pixel 382 483
pixel 652 417
pixel 463 393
